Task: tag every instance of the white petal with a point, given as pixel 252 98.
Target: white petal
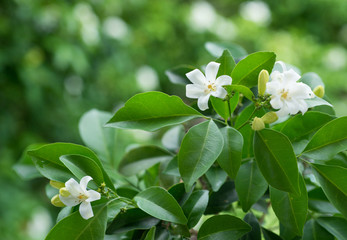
pixel 93 196
pixel 86 210
pixel 276 76
pixel 211 71
pixel 273 87
pixel 203 102
pixel 282 112
pixel 280 66
pixel 276 102
pixel 292 106
pixel 70 200
pixel 194 90
pixel 73 187
pixel 223 80
pixel 302 106
pixel 220 93
pixel 84 182
pixel 196 77
pixel 302 91
pixel 291 75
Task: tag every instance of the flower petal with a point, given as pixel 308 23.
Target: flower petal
pixel 194 90
pixel 220 93
pixel 84 182
pixel 276 102
pixel 73 187
pixel 93 196
pixel 223 80
pixel 70 200
pixel 196 77
pixel 291 75
pixel 86 210
pixel 211 71
pixel 280 66
pixel 203 102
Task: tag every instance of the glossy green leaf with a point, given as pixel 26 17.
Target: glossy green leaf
pixel 241 89
pixel 318 202
pixel 142 158
pixel 199 149
pixel 313 231
pixel 312 79
pixel 276 160
pixel 234 101
pixel 255 233
pixel 216 177
pixel 335 225
pixel 220 106
pixel 177 75
pixel 223 227
pixel 151 111
pixel 250 185
pixel 290 209
pixel 114 208
pixel 75 227
pixel 227 63
pixel 157 202
pixel 179 193
pixel 195 206
pixel 151 234
pixel 333 180
pixel 329 140
pixel 172 168
pixel 217 49
pixel 268 235
pixel 230 157
pixel 247 70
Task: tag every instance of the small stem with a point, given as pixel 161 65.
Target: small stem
pixel 256 109
pixel 230 113
pixel 217 120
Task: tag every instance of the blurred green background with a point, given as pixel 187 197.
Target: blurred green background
pixel 59 59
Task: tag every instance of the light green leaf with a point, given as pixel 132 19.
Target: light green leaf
pixel 151 111
pixel 247 70
pixel 312 79
pixel 173 137
pixel 316 101
pixel 241 89
pixel 313 231
pixel 177 75
pixel 157 202
pixel 223 227
pixel 220 106
pixel 227 64
pixel 142 158
pixel 217 49
pixel 250 185
pixel 216 177
pixel 199 149
pixel 329 140
pixel 290 209
pixel 335 225
pixel 151 234
pixel 195 206
pixel 276 160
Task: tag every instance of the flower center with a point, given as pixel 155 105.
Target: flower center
pixel 211 87
pixel 284 94
pixel 82 197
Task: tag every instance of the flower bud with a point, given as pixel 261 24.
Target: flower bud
pixel 64 192
pixel 56 184
pixel 263 78
pixel 258 124
pixel 57 202
pixel 319 91
pixel 269 117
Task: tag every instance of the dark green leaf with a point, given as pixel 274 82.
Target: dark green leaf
pixel 223 227
pixel 151 111
pixel 250 184
pixel 157 202
pixel 227 64
pixel 335 225
pixel 217 49
pixel 179 193
pixel 276 160
pixel 195 206
pixel 216 177
pixel 268 235
pixel 255 234
pixel 313 231
pixel 200 148
pixel 151 234
pixel 318 202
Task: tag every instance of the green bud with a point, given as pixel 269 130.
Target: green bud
pixel 57 202
pixel 319 91
pixel 258 124
pixel 64 192
pixel 56 184
pixel 269 117
pixel 263 78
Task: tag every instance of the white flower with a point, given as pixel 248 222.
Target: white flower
pixel 74 194
pixel 287 94
pixel 205 86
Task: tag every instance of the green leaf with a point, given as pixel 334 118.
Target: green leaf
pixel 268 235
pixel 47 161
pixel 329 140
pixel 255 234
pixel 93 133
pixel 241 89
pixel 173 137
pixel 313 231
pixel 250 185
pixel 333 180
pixel 318 202
pixel 142 158
pixel 230 157
pixel 234 101
pixel 195 206
pixel 276 160
pixel 223 227
pixel 75 227
pixel 151 234
pixel 177 75
pixel 220 106
pixel 312 79
pixel 335 225
pixel 217 49
pixel 227 64
pixel 172 168
pixel 179 193
pixel 216 177
pixel 247 70
pixel 131 219
pixel 199 149
pixel 151 111
pixel 157 202
pixel 290 209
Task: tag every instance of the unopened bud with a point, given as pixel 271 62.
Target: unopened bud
pixel 64 192
pixel 269 117
pixel 258 124
pixel 263 78
pixel 56 184
pixel 57 202
pixel 319 91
